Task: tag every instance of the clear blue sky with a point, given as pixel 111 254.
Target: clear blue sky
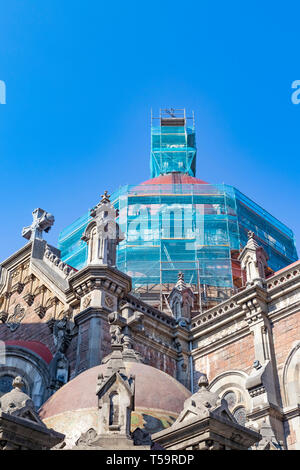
pixel 81 79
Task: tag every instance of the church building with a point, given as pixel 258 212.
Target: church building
pixel 167 317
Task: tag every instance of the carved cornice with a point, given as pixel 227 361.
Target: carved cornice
pixel 90 312
pixel 99 277
pixel 291 412
pixel 57 264
pixel 29 299
pixel 277 281
pixel 40 311
pixel 148 310
pixel 254 392
pixel 215 315
pixel 267 410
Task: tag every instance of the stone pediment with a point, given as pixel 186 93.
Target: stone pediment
pixel 205 410
pixel 205 424
pixel 106 384
pixel 29 414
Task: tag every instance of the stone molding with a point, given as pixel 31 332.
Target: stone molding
pixel 275 282
pixel 57 264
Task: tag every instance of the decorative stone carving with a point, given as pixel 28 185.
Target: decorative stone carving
pixel 15 318
pixel 260 385
pixel 3 316
pixel 42 222
pixel 87 438
pixel 109 301
pixel 102 234
pixel 18 287
pixel 40 311
pixel 115 391
pixel 254 260
pixel 181 301
pixel 57 264
pixel 63 331
pixel 86 301
pixel 206 424
pixel 121 329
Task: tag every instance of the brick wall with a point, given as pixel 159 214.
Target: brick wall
pixel 156 358
pixel 285 332
pixel 238 355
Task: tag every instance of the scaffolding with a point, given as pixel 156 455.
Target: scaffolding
pixel 195 228
pixel 173 146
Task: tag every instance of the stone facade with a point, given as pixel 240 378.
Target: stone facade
pixel 256 334
pixel 57 323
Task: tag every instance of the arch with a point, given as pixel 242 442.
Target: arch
pixel 291 376
pixel 31 367
pixel 232 381
pixel 114 409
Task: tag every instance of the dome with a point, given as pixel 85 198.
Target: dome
pixel 73 409
pixel 174 178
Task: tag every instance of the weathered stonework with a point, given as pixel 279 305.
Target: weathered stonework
pixel 56 323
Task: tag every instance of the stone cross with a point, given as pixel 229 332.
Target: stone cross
pixel 42 222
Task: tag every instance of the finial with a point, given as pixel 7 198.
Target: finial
pixel 105 197
pixel 203 381
pixel 250 234
pixel 104 200
pixel 18 382
pixel 180 284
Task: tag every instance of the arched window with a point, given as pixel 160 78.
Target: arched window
pixel 114 409
pixel 236 405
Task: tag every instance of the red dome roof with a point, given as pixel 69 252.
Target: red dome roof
pixel 174 178
pixel 35 346
pixel 167 394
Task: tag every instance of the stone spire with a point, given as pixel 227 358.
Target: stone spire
pixel 181 300
pixel 116 392
pixel 254 260
pixel 180 285
pixel 102 233
pixel 42 222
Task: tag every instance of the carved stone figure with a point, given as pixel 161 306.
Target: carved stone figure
pixel 63 332
pixel 15 318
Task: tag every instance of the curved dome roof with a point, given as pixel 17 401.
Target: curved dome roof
pixel 175 178
pixel 73 409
